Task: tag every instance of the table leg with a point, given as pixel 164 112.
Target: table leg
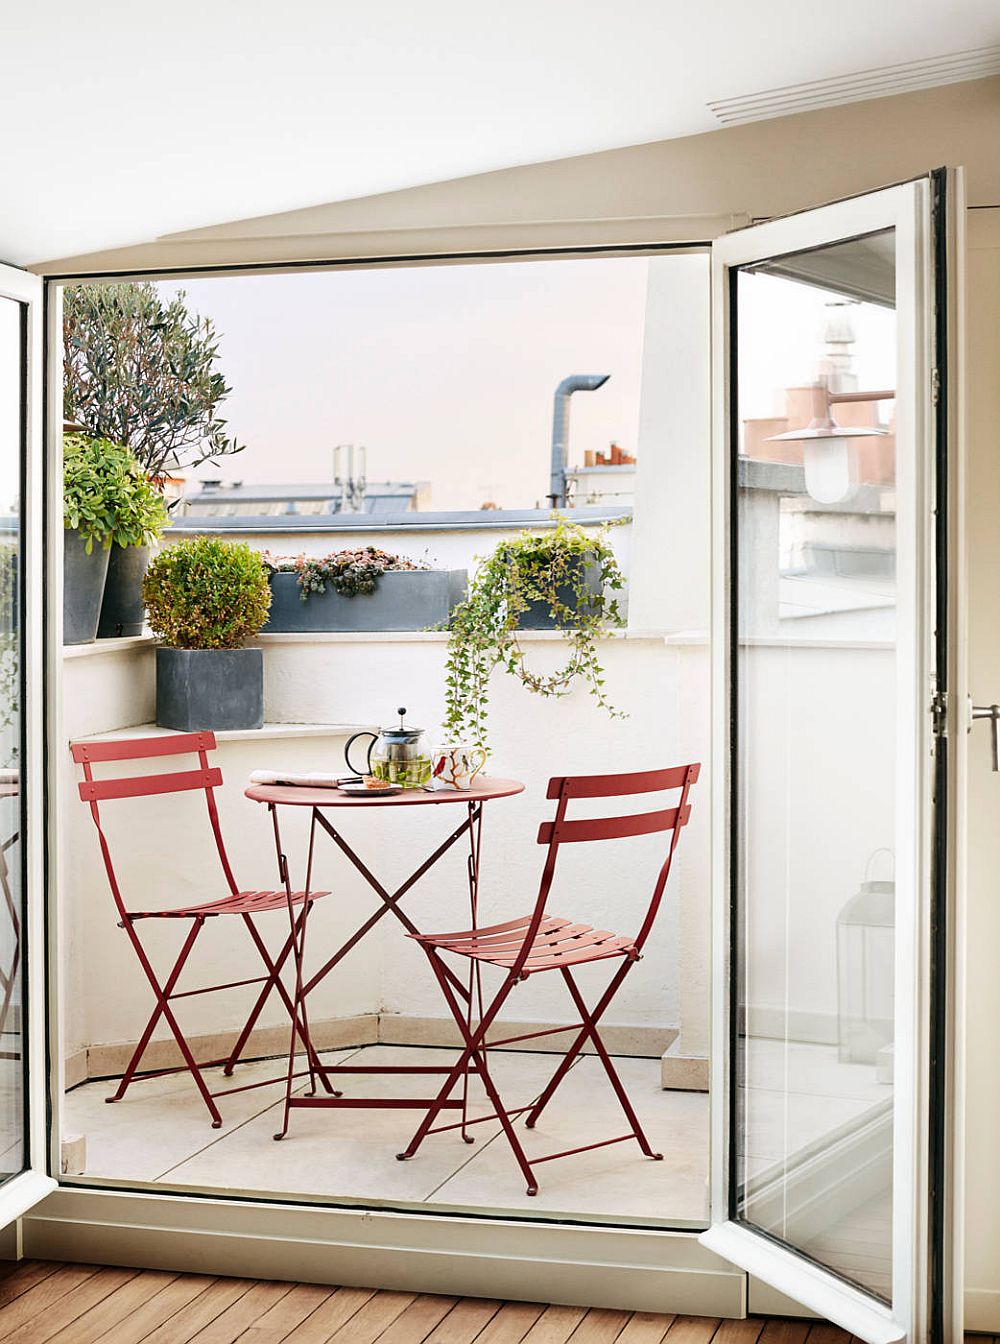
pixel 475 970
pixel 300 1021
pixel 471 993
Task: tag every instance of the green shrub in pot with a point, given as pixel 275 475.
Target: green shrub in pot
pixel 108 502
pixel 205 597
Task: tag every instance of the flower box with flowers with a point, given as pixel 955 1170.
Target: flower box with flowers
pixel 363 590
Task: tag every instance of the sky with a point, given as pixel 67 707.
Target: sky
pixel 445 373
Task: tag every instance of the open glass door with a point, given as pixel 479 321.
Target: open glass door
pixel 829 664
pixel 23 1159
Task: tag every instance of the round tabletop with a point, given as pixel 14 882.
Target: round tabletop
pixel 483 788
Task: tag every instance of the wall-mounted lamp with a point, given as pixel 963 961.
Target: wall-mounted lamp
pixel 830 462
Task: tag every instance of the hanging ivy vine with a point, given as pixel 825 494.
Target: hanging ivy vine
pixel 569 572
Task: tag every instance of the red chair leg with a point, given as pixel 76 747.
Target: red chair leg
pixel 164 1010
pixel 474 1053
pixel 273 982
pixel 578 1043
pixel 590 1030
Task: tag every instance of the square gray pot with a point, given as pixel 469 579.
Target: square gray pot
pixel 538 615
pixel 405 599
pixel 200 689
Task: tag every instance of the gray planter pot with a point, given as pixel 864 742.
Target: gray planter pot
pixel 122 612
pixel 539 614
pixel 83 588
pixel 209 688
pixel 409 599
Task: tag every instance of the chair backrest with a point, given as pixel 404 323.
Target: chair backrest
pixel 95 791
pixel 564 830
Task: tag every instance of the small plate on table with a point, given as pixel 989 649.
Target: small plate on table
pixel 363 791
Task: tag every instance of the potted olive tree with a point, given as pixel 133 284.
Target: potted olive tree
pixel 141 370
pixel 204 598
pixel 108 503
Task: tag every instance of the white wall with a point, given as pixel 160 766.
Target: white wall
pixel 166 855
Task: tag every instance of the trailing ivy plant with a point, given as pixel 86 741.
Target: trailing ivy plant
pixel 107 496
pixel 553 568
pixel 141 370
pixel 348 572
pixel 204 593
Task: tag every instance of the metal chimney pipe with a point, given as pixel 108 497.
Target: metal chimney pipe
pixel 576 382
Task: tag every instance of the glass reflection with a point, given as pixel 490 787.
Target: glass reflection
pixel 816 667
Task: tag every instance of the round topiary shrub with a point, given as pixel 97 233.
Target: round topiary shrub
pixel 206 594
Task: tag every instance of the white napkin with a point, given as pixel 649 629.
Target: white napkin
pixel 316 779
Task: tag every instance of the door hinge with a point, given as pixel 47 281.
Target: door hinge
pixel 939 713
pixel 935 387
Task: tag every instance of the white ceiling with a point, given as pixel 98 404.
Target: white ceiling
pixel 124 120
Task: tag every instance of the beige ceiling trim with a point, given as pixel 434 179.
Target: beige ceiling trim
pixel 404 246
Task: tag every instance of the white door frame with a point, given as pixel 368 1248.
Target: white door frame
pixel 908 210
pixel 23 1191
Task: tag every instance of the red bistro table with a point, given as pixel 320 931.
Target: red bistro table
pixel 320 801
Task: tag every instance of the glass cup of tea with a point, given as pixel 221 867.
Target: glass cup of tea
pixel 454 766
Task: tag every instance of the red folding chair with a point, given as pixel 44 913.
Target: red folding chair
pixel 537 943
pixel 246 904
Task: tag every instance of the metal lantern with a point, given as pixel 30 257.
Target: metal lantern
pixel 865 957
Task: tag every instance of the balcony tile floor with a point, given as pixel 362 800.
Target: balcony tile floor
pixel 160 1134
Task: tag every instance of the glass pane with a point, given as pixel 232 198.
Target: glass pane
pixel 12 1155
pixel 815 477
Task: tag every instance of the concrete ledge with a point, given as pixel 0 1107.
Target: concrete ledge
pixel 517 1260
pixel 683 1073
pixel 110 1061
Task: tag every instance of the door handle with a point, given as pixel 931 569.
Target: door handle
pixel 991 712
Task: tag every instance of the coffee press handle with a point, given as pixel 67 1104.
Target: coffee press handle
pixel 347 751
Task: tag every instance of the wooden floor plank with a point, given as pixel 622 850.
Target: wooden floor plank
pixel 160 1307
pixel 739 1332
pixel 511 1323
pixel 86 1298
pixel 26 1275
pixel 601 1325
pixel 278 1322
pixel 555 1325
pixel 45 1303
pixel 467 1318
pixel 114 1308
pixel 784 1332
pixel 822 1332
pixel 372 1320
pixel 645 1327
pixel 227 1327
pixel 692 1330
pixel 331 1317
pixel 415 1322
pixel 216 1298
pixel 42 1295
